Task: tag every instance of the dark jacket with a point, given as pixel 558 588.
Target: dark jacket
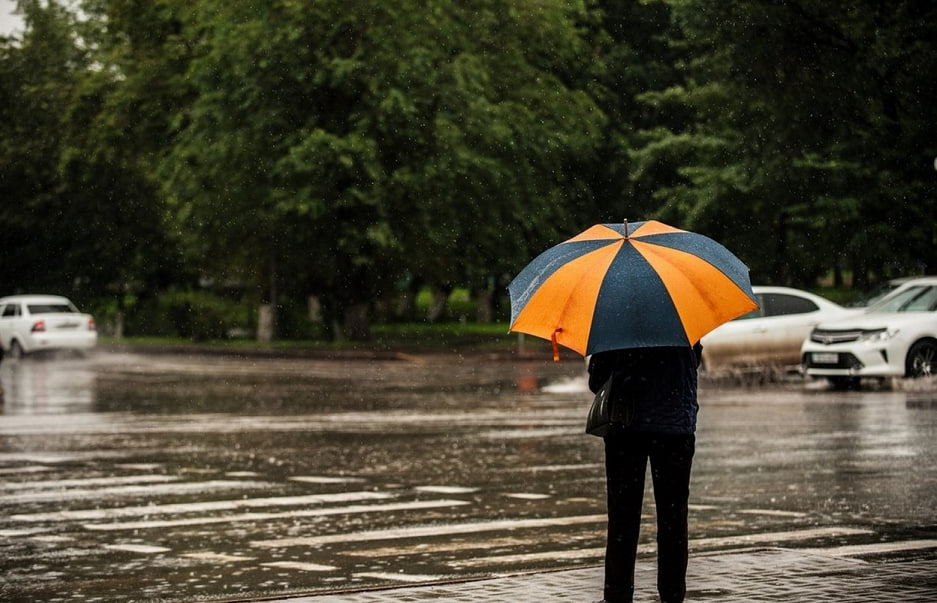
pixel 662 382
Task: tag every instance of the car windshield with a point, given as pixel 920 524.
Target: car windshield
pixel 50 308
pixel 922 298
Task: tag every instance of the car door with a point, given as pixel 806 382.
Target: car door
pixel 788 320
pixel 772 334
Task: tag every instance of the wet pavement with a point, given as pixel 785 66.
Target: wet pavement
pixel 772 575
pixel 181 477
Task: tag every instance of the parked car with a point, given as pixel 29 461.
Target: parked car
pixel 884 289
pixel 894 337
pixel 31 323
pixel 772 334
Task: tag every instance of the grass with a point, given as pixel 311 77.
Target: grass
pixel 421 337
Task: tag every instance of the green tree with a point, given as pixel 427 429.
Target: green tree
pixel 808 148
pixel 117 125
pixel 79 214
pixel 635 52
pixel 41 225
pixel 336 147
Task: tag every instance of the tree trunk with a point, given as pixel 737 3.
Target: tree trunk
pixel 357 323
pixel 438 306
pixel 265 323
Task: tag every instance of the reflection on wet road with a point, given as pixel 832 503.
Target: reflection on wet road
pixel 175 478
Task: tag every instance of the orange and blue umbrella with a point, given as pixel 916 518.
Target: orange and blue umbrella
pixel 615 286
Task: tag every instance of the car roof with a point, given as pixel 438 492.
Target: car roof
pixel 775 289
pixel 907 279
pixel 917 280
pixel 930 281
pixel 34 298
pixel 757 289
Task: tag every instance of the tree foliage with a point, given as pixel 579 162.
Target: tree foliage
pixel 807 150
pixel 355 150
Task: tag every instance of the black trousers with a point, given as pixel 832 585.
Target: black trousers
pixel 626 457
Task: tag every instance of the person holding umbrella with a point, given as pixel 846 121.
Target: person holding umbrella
pixel 637 298
pixel 660 383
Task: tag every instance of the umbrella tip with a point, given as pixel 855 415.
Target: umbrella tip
pixel 626 227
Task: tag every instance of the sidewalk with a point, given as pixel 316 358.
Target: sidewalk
pixel 769 574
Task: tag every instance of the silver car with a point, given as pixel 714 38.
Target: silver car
pixel 772 334
pixel 32 323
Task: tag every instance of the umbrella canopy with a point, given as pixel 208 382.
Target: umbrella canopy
pixel 617 286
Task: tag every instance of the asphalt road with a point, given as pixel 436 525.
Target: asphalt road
pixel 177 477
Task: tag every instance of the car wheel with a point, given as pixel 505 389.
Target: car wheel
pixel 922 359
pixel 16 350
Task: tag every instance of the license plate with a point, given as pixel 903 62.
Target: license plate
pixel 825 358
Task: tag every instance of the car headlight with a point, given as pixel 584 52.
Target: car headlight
pixel 876 335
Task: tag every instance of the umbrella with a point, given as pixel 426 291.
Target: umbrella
pixel 617 286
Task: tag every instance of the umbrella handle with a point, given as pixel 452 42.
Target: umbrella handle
pixel 556 349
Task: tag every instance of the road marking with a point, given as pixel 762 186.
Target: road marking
pixel 91 481
pixel 772 513
pixel 875 548
pixel 261 516
pixel 436 530
pixel 544 433
pixel 539 468
pixel 301 566
pixel 199 507
pixel 526 495
pixel 26 532
pixel 315 479
pixel 770 537
pixel 410 578
pixel 145 490
pixel 446 489
pixel 51 538
pixel 217 557
pixel 449 546
pixel 524 558
pixel 136 548
pixel 26 469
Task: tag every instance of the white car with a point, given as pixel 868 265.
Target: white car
pixel 885 288
pixel 772 334
pixel 32 323
pixel 895 337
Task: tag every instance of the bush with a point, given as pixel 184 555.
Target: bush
pixel 196 315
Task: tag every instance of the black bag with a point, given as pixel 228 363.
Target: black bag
pixel 608 408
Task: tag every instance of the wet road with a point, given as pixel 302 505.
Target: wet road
pixel 176 478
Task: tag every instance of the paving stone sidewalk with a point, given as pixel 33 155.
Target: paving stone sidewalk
pixel 752 575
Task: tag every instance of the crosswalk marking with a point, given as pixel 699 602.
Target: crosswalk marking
pixel 767 537
pixel 445 546
pixel 134 490
pixel 316 479
pixel 426 531
pixel 137 548
pixel 199 507
pixel 591 554
pixel 217 557
pixel 267 516
pixel 401 577
pixel 445 489
pixel 301 566
pixel 87 482
pixel 772 513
